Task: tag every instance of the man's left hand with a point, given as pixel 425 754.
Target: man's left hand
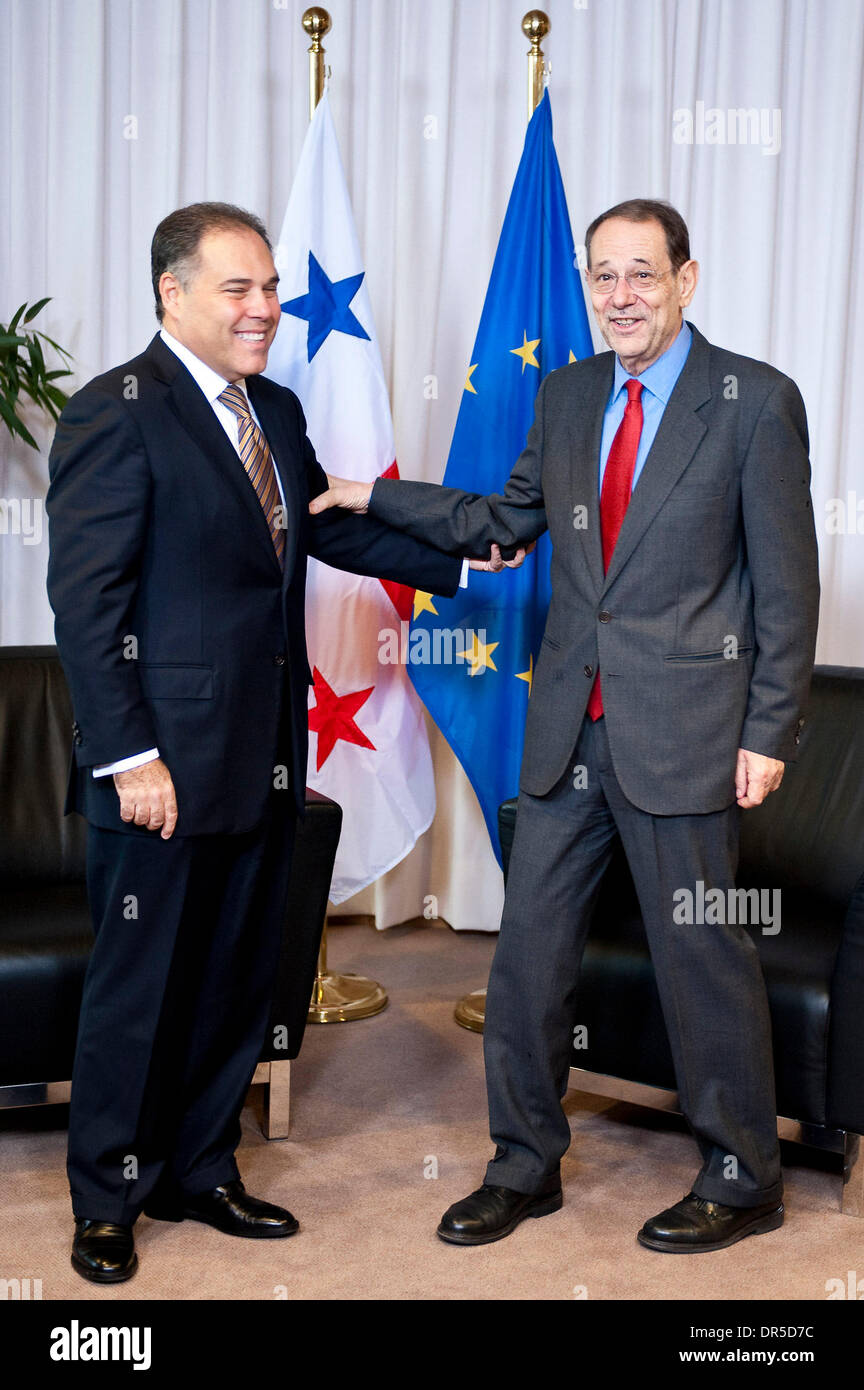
pixel 342 492
pixel 755 777
pixel 494 564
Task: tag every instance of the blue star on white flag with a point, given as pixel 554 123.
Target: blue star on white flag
pixel 326 306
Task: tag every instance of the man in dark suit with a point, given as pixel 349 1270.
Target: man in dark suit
pixel 673 673
pixel 179 530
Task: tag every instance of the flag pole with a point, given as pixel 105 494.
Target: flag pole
pixel 335 998
pixel 535 26
pixel 470 1012
pixel 316 22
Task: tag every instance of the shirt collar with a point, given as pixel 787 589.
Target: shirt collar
pixel 661 376
pixel 210 382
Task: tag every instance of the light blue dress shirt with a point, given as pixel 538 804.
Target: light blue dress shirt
pixel 658 381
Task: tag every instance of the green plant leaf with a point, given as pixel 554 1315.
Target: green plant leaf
pixel 23 371
pixel 37 360
pixel 15 425
pixel 55 346
pixel 32 387
pixel 57 396
pixel 34 308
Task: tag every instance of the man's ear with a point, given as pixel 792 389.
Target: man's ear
pixel 689 280
pixel 170 291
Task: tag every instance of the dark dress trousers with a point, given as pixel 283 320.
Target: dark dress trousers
pixel 178 630
pixel 703 633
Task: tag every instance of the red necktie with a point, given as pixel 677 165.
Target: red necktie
pixel 615 496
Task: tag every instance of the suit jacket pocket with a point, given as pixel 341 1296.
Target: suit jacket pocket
pixel 705 656
pixel 706 486
pixel 168 682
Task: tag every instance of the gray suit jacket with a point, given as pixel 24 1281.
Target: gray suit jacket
pixel 704 627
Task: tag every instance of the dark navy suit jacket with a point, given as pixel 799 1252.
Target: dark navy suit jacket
pixel 174 623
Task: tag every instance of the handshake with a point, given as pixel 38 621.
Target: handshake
pixel 354 497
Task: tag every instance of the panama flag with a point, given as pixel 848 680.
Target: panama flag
pixel 368 748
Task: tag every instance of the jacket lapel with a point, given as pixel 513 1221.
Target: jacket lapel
pixel 585 461
pixel 198 419
pixel 282 448
pixel 679 435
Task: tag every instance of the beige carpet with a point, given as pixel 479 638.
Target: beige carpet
pixel 377 1103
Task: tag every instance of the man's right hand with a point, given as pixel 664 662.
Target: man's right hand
pixel 147 797
pixel 354 497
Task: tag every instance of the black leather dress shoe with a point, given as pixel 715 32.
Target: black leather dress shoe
pixel 694 1225
pixel 230 1209
pixel 491 1213
pixel 103 1252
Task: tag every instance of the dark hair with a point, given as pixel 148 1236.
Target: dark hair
pixel 649 210
pixel 177 238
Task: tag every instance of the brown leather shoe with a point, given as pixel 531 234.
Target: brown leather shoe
pixel 491 1213
pixel 103 1251
pixel 230 1209
pixel 695 1225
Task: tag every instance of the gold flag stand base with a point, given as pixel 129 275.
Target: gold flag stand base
pixel 470 1012
pixel 342 998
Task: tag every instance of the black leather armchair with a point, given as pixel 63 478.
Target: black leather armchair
pixel 807 840
pixel 45 931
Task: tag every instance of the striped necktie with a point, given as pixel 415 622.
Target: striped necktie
pixel 257 460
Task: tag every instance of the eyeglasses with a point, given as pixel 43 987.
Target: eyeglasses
pixel 605 281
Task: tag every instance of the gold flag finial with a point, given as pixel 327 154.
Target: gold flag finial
pixel 535 26
pixel 316 22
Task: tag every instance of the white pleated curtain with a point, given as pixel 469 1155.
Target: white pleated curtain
pixel 116 111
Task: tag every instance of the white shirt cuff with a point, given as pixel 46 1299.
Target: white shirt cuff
pixel 126 764
pixel 463 581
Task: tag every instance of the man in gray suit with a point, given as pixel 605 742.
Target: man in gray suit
pixel 673 673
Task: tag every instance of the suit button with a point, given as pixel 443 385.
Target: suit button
pixel 589 670
pixel 605 617
pixel 279 658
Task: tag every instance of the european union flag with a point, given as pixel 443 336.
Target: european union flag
pixel 533 320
